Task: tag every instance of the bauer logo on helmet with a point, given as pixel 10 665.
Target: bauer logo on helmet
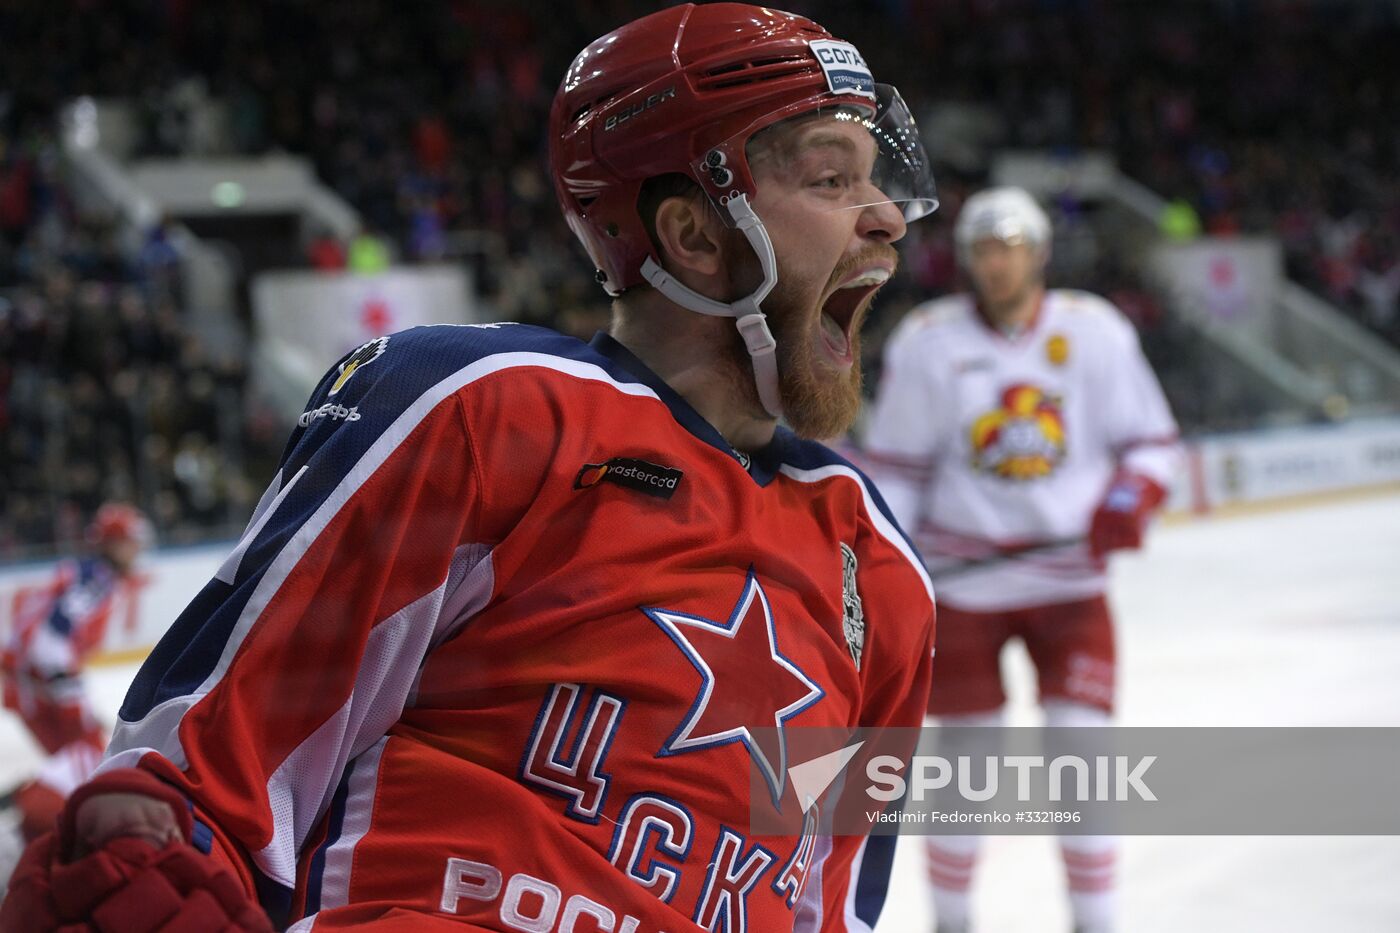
pixel 627 113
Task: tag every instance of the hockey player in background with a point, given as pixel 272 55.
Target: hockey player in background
pixel 492 651
pixel 56 630
pixel 1021 436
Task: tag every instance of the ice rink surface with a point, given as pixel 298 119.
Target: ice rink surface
pixel 1284 618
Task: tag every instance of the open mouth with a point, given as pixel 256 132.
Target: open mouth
pixel 839 311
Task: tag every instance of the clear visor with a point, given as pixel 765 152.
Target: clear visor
pixel 900 174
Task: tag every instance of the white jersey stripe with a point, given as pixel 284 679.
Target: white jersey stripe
pixel 359 807
pixel 808 913
pixel 228 571
pixel 300 790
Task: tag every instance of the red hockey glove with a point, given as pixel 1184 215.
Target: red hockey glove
pixel 1122 516
pixel 125 884
pixel 39 807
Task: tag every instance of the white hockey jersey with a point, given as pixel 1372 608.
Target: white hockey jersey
pixel 981 441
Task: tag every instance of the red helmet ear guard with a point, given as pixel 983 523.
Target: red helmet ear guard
pixel 658 95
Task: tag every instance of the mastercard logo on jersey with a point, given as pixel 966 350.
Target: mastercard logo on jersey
pixel 1023 439
pixel 650 478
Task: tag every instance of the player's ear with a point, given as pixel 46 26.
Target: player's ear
pixel 689 233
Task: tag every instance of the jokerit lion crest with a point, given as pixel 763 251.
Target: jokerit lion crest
pixel 852 614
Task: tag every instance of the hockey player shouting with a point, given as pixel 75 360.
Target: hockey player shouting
pixel 491 655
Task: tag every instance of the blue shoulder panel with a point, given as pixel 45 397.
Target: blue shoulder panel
pixel 354 404
pixel 811 455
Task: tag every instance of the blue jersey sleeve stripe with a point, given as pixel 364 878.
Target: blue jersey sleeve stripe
pixel 879 512
pixel 336 822
pixel 873 883
pixel 204 637
pixel 810 455
pixel 190 652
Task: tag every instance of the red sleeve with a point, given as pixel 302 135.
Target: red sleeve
pixel 303 651
pixel 896 667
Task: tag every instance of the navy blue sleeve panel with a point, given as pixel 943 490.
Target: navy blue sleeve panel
pixel 356 402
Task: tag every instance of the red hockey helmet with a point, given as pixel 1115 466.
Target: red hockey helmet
pixel 115 521
pixel 682 91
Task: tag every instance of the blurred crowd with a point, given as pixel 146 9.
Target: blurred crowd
pixel 1257 116
pixel 104 393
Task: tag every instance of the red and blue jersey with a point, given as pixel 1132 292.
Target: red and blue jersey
pixel 58 626
pixel 504 640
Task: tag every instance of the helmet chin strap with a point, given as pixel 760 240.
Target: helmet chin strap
pixel 752 323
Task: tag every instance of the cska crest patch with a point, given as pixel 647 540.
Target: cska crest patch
pixel 852 614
